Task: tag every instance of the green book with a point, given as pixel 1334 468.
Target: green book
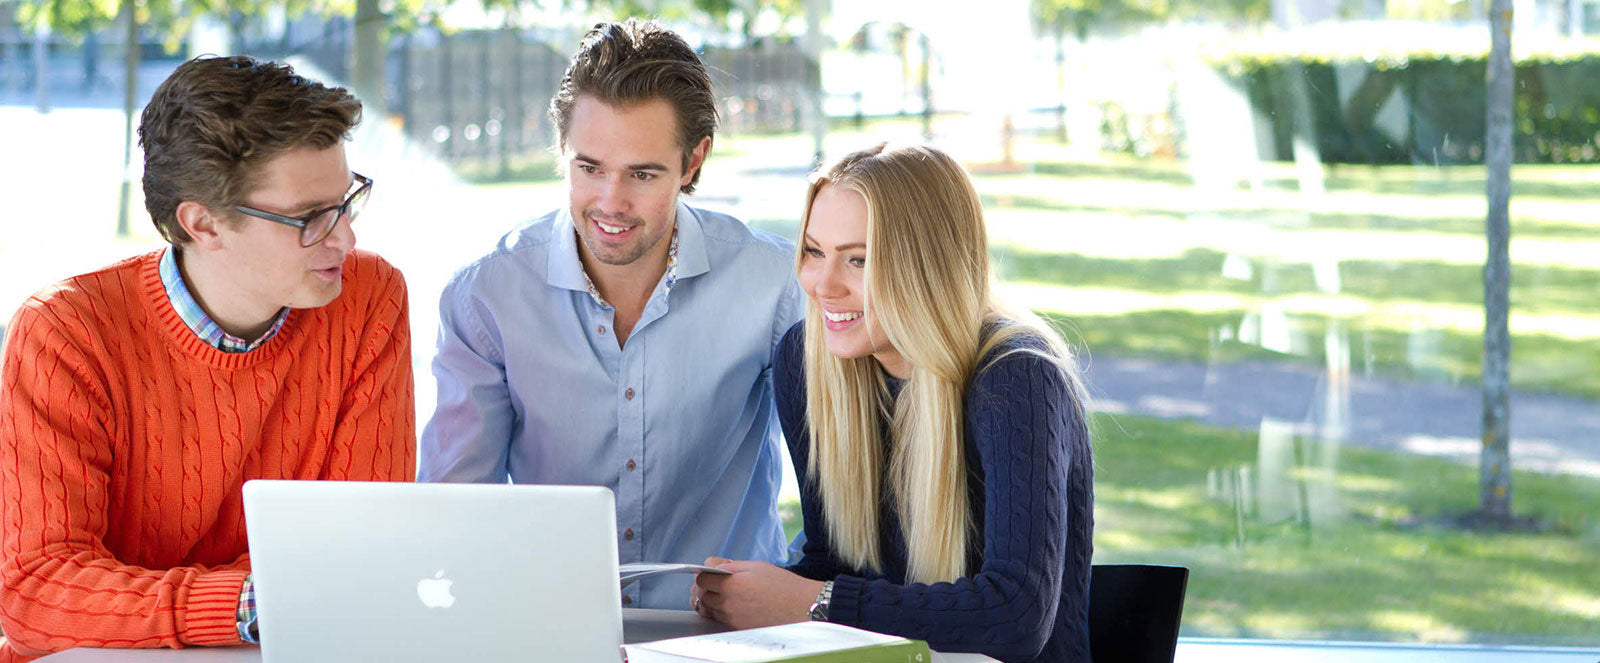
pixel 803 642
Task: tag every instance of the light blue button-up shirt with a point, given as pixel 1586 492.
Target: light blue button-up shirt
pixel 679 423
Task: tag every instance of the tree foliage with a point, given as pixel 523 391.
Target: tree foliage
pixel 1059 17
pixel 172 19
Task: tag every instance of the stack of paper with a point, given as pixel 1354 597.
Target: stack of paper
pixel 631 573
pixel 803 642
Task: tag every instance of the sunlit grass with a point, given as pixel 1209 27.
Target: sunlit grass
pixel 1387 564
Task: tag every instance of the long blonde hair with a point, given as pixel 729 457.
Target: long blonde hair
pixel 928 284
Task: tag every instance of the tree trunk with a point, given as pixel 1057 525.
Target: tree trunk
pixel 366 71
pixel 926 85
pixel 1494 485
pixel 815 9
pixel 41 68
pixel 130 102
pixel 1061 81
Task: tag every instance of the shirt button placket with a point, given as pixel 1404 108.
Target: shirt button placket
pixel 630 434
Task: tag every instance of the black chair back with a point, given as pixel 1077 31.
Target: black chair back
pixel 1134 612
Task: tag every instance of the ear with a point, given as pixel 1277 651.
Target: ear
pixel 203 227
pixel 696 159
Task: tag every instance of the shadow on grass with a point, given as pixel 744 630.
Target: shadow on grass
pixel 1273 217
pixel 1541 363
pixel 1534 288
pixel 1422 180
pixel 1418 183
pixel 1149 172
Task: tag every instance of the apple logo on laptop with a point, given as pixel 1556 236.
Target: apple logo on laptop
pixel 435 591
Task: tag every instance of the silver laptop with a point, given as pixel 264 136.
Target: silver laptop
pixel 349 571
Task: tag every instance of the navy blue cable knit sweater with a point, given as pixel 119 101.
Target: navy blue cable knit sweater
pixel 1030 479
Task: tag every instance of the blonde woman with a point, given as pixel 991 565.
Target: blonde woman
pixel 944 458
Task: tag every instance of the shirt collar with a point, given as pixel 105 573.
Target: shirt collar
pixel 686 256
pixel 197 320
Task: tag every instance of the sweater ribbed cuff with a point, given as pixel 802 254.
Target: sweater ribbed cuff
pixel 845 605
pixel 209 615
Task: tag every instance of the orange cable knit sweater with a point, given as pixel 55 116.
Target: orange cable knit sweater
pixel 125 439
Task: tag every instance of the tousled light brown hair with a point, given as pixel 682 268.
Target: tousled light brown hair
pixel 214 122
pixel 928 284
pixel 632 61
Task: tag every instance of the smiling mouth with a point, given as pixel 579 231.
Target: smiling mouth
pixel 612 230
pixel 840 317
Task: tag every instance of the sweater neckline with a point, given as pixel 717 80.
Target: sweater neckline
pixel 185 340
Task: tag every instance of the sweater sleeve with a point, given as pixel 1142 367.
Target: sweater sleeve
pixel 788 379
pixel 1025 423
pixel 62 587
pixel 375 436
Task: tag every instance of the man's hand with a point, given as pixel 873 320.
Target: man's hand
pixel 756 594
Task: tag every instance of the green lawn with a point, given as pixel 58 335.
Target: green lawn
pixel 1386 560
pixel 1366 544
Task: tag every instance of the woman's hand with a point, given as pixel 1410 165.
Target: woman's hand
pixel 757 594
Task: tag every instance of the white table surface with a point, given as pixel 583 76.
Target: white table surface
pixel 645 625
pixel 638 625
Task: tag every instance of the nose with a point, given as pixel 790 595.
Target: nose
pixel 830 284
pixel 343 236
pixel 613 199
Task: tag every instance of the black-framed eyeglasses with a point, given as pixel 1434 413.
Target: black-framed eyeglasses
pixel 318 224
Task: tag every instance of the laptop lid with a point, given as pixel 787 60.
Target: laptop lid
pixel 352 571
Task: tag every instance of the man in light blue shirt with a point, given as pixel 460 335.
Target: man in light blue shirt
pixel 627 340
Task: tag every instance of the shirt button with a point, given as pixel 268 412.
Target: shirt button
pixel 629 393
pixel 628 534
pixel 602 330
pixel 630 465
pixel 627 600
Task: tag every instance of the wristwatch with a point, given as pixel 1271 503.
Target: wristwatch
pixel 819 609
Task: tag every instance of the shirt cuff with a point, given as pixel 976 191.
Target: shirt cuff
pixel 209 609
pixel 248 630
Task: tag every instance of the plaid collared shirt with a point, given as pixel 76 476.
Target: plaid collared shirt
pixel 197 319
pixel 671 276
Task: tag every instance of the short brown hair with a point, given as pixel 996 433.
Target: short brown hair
pixel 627 62
pixel 215 120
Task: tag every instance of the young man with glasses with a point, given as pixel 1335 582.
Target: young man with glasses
pixel 137 399
pixel 626 340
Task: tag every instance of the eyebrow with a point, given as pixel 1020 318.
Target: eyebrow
pixel 649 165
pixel 841 247
pixel 313 205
